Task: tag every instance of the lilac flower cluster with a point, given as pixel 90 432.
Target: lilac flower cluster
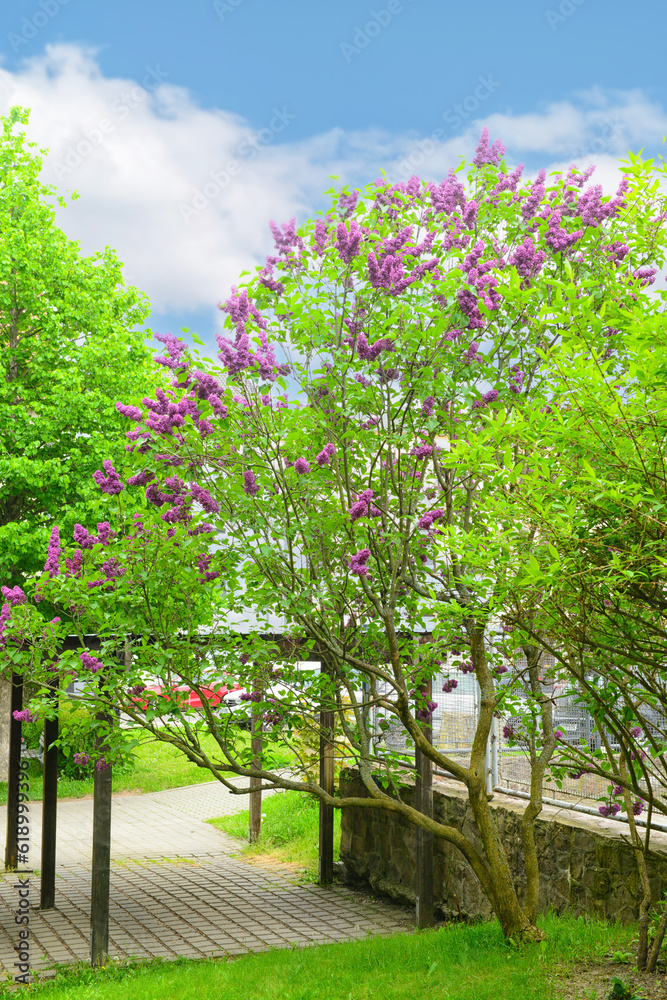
pixel 111 483
pixel 52 564
pixel 449 685
pixel 357 564
pixel 250 485
pixel 326 454
pixel 348 242
pixel 203 563
pixel 91 663
pixel 370 352
pixel 516 379
pixel 301 467
pixel 485 154
pixel 24 715
pixel 426 521
pixel 486 398
pixel 13 595
pixel 425 713
pixel 81 759
pixel 253 696
pixel 236 355
pixel 527 260
pixel 364 507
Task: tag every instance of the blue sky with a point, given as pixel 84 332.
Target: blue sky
pixel 293 92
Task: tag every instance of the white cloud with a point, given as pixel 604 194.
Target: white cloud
pixel 143 157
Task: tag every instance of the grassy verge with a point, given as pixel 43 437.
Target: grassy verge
pixel 157 766
pixel 290 831
pixel 453 963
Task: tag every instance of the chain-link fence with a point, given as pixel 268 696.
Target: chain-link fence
pixel 454 721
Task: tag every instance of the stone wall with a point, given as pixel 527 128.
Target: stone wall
pixel 583 870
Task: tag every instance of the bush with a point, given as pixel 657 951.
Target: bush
pixel 74 737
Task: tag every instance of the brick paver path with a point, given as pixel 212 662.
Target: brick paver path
pixel 176 889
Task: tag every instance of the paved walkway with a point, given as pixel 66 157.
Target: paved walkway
pixel 176 888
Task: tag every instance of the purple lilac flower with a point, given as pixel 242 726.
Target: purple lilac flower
pixel 137 690
pixel 81 759
pixel 424 714
pixel 175 348
pixel 530 206
pixel 250 484
pixel 131 412
pixel 516 379
pixel 467 667
pixel 52 564
pixel 484 154
pixel 201 529
pixel 82 537
pixel 427 520
pixel 527 260
pixel 559 734
pixel 301 467
pixel 326 454
pixel 638 807
pixel 104 532
pixel 253 696
pixel 348 241
pixel 91 663
pixel 370 352
pixel 357 564
pixel 14 595
pixel 487 397
pixel 427 407
pixel 74 565
pixel 204 499
pixel 449 685
pixel 508 732
pixel 111 483
pixel 636 732
pixel 101 764
pixel 422 451
pixel 364 507
pixel 24 716
pixel 617 790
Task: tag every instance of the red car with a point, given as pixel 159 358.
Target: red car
pixel 191 698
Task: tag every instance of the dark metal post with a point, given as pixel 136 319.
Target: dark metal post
pixel 99 892
pixel 424 857
pixel 255 806
pixel 47 899
pixel 11 844
pixel 327 782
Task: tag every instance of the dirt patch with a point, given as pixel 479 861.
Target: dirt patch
pixel 592 981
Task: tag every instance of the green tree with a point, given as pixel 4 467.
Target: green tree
pixel 71 347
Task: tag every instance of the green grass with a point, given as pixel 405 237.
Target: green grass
pixel 290 830
pixel 158 766
pixel 458 962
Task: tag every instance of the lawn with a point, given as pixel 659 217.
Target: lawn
pixel 290 831
pixel 157 766
pixel 457 962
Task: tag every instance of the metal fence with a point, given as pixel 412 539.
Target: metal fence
pixel 454 722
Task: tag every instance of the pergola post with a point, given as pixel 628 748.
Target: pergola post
pixel 327 782
pixel 99 890
pixel 255 805
pixel 47 899
pixel 424 855
pixel 12 841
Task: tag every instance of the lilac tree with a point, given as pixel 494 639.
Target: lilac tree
pixel 350 465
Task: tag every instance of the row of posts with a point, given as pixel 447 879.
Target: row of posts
pixel 101 847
